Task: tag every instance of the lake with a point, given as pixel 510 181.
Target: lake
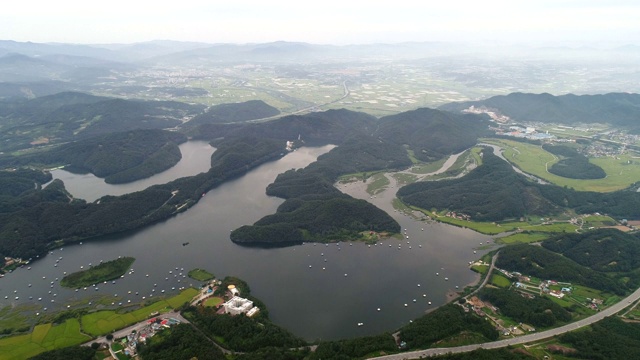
pixel 316 291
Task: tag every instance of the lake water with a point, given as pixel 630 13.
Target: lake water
pixel 310 301
pixel 196 158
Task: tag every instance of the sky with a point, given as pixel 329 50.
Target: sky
pixel 323 22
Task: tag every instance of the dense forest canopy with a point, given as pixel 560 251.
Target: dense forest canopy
pixel 238 112
pixel 69 116
pixel 118 157
pixel 430 133
pixel 36 219
pixel 606 250
pixel 572 164
pixel 491 192
pixel 315 210
pixel 548 265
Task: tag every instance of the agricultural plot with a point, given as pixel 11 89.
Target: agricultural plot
pixel 104 322
pixel 43 338
pixel 622 171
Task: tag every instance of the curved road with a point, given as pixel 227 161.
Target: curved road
pixel 635 296
pixel 486 278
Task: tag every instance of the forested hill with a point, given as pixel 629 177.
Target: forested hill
pixel 606 250
pixel 620 109
pixel 236 112
pixel 494 192
pixel 546 264
pixel 328 127
pixel 32 220
pixel 317 211
pixel 430 133
pixel 118 157
pixel 69 116
pixel 491 192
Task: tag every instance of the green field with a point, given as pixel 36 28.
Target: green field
pixel 518 238
pixel 598 221
pixel 481 269
pixel 621 171
pixel 378 183
pixel 43 338
pixel 200 275
pixel 494 228
pixel 213 301
pixel 426 168
pixel 500 281
pixel 14 318
pixel 104 322
pixel 404 178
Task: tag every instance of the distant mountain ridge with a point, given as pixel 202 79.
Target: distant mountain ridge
pixel 622 109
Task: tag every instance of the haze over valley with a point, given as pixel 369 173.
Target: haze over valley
pixel 446 180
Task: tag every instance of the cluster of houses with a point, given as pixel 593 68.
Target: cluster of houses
pixel 476 305
pixel 10 263
pixel 154 325
pixel 459 216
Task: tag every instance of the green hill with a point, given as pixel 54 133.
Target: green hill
pixel 118 157
pixel 546 264
pixel 491 192
pixel 606 250
pixel 572 164
pixel 236 112
pixel 70 116
pixel 430 133
pixel 315 210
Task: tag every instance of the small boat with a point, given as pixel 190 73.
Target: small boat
pixel 360 324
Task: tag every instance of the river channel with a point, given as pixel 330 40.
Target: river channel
pixel 316 291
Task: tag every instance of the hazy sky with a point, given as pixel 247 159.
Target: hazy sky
pixel 325 22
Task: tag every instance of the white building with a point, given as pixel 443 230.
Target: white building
pixel 237 305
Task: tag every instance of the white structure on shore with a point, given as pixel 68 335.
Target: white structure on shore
pixel 237 305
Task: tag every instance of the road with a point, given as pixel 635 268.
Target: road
pixel 126 331
pixel 635 296
pixel 345 93
pixel 486 278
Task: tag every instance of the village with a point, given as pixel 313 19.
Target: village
pixel 125 342
pixel 563 293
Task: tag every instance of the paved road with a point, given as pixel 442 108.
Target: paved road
pixel 486 278
pixel 126 331
pixel 635 296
